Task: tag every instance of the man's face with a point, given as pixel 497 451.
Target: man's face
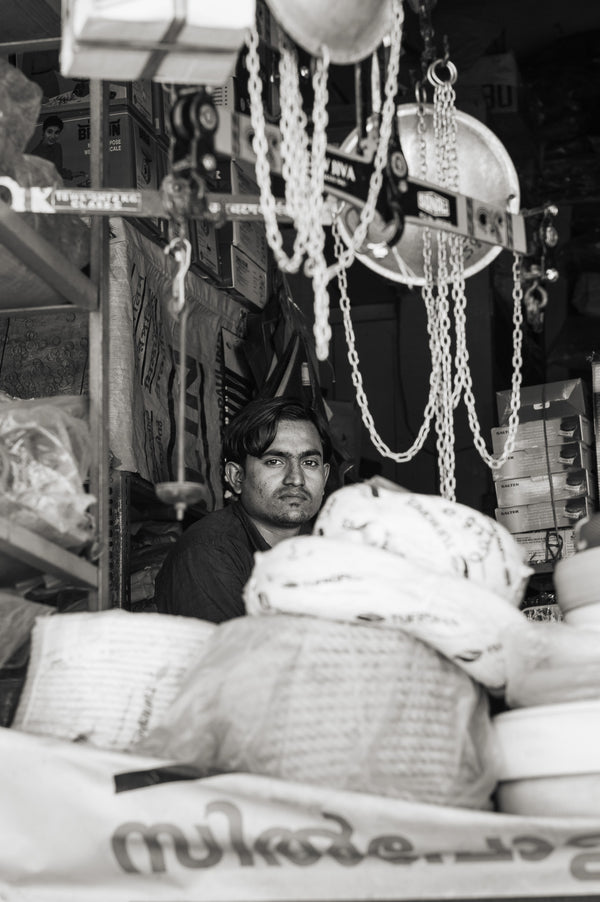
pixel 284 487
pixel 51 134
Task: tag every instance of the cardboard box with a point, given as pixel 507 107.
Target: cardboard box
pixel 532 489
pixel 131 158
pixel 557 399
pixel 137 95
pixel 528 517
pixel 118 39
pixel 205 247
pixel 213 245
pixel 65 95
pixel 247 279
pixel 539 433
pixel 547 545
pixel 533 461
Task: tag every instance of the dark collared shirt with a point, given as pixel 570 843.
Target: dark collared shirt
pixel 206 570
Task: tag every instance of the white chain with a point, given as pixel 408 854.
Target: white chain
pixel 444 408
pixel 464 381
pixel 361 397
pixel 385 133
pixel 304 172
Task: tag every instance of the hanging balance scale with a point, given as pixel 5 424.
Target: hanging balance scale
pixel 485 173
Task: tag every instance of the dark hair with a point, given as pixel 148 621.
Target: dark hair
pixel 53 120
pixel 254 428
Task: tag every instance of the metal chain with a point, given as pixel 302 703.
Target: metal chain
pixel 385 133
pixel 361 397
pixel 464 382
pixel 444 407
pixel 303 169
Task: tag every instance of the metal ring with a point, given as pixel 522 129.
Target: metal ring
pixel 420 93
pixel 448 65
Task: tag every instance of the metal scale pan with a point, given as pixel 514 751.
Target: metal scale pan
pixel 486 173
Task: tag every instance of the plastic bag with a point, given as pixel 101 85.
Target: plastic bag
pixel 103 677
pixel 333 704
pixel 45 455
pixel 332 578
pixel 440 535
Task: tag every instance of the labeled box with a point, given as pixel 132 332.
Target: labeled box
pixel 554 459
pixel 532 489
pixel 541 433
pixel 131 152
pixel 136 95
pixel 544 515
pixel 61 94
pixel 550 400
pixel 544 546
pixel 247 278
pixel 205 247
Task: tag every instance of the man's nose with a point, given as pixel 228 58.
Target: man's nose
pixel 294 474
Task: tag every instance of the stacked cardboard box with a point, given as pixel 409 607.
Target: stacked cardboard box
pixel 549 481
pixel 235 254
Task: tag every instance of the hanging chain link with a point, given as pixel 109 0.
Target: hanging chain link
pixel 304 171
pixel 367 213
pixel 361 397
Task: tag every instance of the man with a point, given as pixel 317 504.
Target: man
pixel 276 464
pixel 49 147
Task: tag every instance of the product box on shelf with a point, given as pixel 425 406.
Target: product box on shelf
pixel 247 278
pixel 228 265
pixel 205 247
pixel 136 95
pixel 131 152
pixel 61 94
pixel 533 489
pixel 550 400
pixel 545 515
pixel 235 254
pixel 554 459
pixel 543 546
pixel 540 433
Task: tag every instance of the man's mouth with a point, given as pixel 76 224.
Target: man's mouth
pixel 294 496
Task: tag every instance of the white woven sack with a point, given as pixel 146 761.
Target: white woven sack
pixel 333 704
pixel 331 578
pixel 441 535
pixel 106 677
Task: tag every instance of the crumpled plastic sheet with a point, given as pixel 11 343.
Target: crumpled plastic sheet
pixel 45 453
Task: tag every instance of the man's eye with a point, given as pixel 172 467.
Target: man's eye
pixel 311 463
pixel 273 462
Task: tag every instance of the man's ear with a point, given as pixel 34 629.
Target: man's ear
pixel 234 476
pixel 326 471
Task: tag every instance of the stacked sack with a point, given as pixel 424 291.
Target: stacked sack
pixel 364 661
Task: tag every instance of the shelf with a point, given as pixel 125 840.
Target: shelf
pixel 38 255
pixel 22 545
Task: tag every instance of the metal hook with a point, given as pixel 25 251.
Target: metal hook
pixel 181 249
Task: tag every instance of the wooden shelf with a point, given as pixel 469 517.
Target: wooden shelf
pixel 34 551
